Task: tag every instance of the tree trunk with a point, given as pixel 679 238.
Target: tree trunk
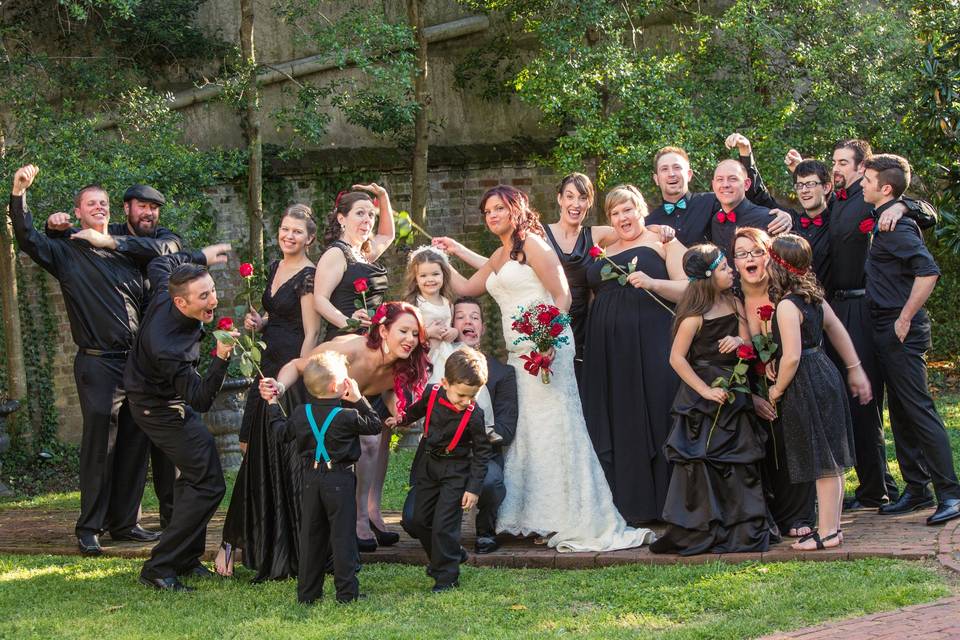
pixel 13 344
pixel 421 141
pixel 251 125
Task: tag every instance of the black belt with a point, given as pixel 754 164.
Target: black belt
pixel 810 350
pixel 120 355
pixel 443 453
pixel 847 294
pixel 337 466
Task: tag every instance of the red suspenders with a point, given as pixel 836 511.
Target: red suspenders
pixel 460 428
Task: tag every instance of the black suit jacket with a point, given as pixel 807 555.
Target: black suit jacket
pixel 502 385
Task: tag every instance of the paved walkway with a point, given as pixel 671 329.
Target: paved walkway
pixel 940 619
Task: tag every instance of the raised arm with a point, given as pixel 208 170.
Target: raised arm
pixel 144 249
pixel 477 283
pixel 547 266
pixel 385 228
pixel 42 250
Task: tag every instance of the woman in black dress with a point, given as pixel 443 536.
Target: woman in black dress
pixel 793 504
pixel 265 504
pixel 628 383
pixel 348 263
pixel 571 241
pixel 813 403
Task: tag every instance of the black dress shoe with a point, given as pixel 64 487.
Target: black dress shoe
pixel 907 503
pixel 464 556
pixel 440 587
pixel 384 538
pixel 89 544
pixel 136 534
pixel 360 596
pixel 486 545
pixel 366 545
pixel 199 571
pixel 165 584
pixel 947 510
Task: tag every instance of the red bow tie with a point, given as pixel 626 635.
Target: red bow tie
pixel 816 221
pixel 841 194
pixel 726 216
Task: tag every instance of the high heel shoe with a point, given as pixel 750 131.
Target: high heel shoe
pixel 225 567
pixel 384 538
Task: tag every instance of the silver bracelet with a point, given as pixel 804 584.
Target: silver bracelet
pixel 854 365
pixel 280 388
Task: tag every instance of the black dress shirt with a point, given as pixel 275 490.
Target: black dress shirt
pixel 341 439
pixel 443 425
pixel 895 260
pixel 163 242
pixel 748 215
pixel 102 289
pixel 162 368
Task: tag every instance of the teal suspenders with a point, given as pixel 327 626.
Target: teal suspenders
pixel 320 433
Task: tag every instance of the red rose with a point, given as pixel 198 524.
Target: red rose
pixel 544 317
pixel 556 329
pixel 866 225
pixel 213 352
pixel 596 251
pixel 526 328
pixel 765 312
pixel 760 368
pixel 746 352
pixel 360 285
pixel 554 311
pixel 225 323
pixel 246 270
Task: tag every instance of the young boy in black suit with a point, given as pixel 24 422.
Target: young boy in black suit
pixel 327 436
pixel 451 463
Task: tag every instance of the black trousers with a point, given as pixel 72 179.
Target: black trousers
pixel 164 479
pixel 876 483
pixel 437 513
pixel 914 420
pixel 113 450
pixel 181 435
pixel 328 527
pixel 491 495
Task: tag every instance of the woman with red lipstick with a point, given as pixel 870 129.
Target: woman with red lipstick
pixel 289 326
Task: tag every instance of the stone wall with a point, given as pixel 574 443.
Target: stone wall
pixel 454 195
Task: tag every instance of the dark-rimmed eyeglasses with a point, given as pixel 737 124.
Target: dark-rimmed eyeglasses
pixel 754 253
pixel 804 186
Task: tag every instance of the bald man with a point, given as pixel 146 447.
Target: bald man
pixel 730 184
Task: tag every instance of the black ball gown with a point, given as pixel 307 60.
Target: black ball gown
pixel 628 386
pixel 715 503
pixel 264 514
pixel 344 295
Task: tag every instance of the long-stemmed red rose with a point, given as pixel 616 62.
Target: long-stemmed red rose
pixel 607 272
pixel 736 382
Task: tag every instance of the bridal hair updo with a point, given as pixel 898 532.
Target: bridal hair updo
pixel 790 270
pixel 524 217
pixel 304 214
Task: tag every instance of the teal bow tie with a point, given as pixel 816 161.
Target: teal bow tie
pixel 669 206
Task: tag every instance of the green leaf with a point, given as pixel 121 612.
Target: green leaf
pixel 622 279
pixel 719 382
pixel 246 368
pixel 254 355
pixel 224 337
pixel 632 265
pixel 358 304
pixel 246 341
pixel 606 272
pixel 741 369
pixel 262 345
pixel 740 388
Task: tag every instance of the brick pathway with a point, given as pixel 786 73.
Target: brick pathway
pixel 866 534
pixel 934 620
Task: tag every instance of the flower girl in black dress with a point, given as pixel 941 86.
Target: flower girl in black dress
pixel 817 427
pixel 715 501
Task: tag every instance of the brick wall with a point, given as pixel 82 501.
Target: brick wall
pixel 452 209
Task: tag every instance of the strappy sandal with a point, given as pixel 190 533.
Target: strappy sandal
pixel 815 536
pixel 226 569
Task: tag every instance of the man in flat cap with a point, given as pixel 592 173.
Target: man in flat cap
pixel 143 240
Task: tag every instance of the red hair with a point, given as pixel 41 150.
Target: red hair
pixel 410 372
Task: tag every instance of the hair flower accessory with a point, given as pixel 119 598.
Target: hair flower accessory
pixel 380 316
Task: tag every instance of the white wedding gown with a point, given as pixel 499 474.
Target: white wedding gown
pixel 552 475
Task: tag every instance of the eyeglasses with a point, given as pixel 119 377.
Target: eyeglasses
pixel 804 186
pixel 755 253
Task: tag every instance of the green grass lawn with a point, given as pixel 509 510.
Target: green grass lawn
pixel 71 597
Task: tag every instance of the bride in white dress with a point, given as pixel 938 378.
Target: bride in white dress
pixel 554 483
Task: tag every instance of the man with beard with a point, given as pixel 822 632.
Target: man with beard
pixel 691 214
pixel 167 394
pixel 143 241
pixel 103 291
pixel 498 399
pixel 901 275
pixel 849 221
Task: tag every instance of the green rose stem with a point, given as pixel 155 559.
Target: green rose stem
pixel 603 254
pixel 246 355
pixel 736 376
pixel 764 344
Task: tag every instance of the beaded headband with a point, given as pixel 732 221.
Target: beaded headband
pixel 783 263
pixel 439 253
pixel 710 269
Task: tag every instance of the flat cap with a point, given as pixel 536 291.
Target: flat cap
pixel 144 193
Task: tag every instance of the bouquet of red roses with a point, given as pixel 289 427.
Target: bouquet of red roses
pixel 541 324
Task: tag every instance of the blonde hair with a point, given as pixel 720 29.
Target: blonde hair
pixel 624 193
pixel 322 369
pixel 421 256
